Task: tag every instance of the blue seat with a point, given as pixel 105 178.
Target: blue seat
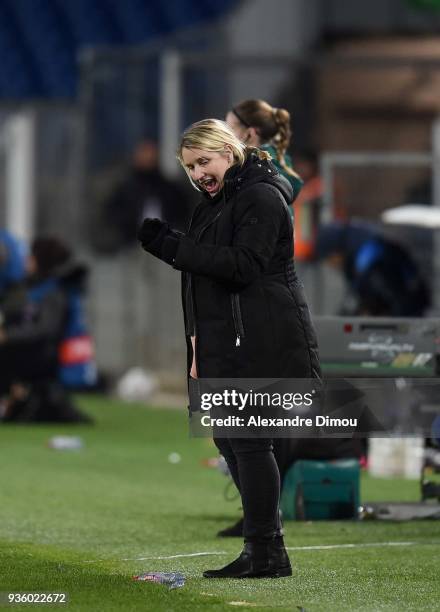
pixel 40 39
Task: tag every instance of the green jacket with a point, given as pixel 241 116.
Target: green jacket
pixel 296 182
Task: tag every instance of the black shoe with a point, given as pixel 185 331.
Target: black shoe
pixel 234 531
pixel 257 560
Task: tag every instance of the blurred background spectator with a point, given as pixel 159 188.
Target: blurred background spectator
pixel 145 192
pixel 308 206
pixel 258 124
pixel 48 348
pixel 381 275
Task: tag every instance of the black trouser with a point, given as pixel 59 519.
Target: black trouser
pixel 258 467
pixel 255 473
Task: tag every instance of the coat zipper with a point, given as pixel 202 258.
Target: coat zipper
pixel 205 227
pixel 238 320
pixel 190 292
pixel 193 301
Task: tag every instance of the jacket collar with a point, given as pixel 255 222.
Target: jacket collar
pixel 253 170
pixel 233 179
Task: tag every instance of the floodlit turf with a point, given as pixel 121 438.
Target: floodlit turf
pixel 86 521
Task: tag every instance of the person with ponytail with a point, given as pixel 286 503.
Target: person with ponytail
pixel 261 125
pixel 244 310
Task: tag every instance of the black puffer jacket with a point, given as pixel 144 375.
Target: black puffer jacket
pixel 241 296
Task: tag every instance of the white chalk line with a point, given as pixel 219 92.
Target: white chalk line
pixel 292 548
pixel 196 554
pixel 359 545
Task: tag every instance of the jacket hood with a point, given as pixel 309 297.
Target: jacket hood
pixel 71 275
pixel 254 170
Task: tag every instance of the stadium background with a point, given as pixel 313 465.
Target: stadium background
pixel 81 82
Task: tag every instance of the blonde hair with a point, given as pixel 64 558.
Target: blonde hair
pixel 272 125
pixel 213 135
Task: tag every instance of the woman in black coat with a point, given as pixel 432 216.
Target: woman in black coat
pixel 245 313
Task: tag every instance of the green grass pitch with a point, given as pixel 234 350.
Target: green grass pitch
pixel 84 522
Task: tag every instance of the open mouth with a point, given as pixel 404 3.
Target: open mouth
pixel 210 185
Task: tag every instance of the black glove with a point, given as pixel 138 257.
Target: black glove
pixel 152 230
pixel 158 239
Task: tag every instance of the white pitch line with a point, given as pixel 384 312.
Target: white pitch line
pixel 359 545
pixel 297 548
pixel 326 547
pixel 197 554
